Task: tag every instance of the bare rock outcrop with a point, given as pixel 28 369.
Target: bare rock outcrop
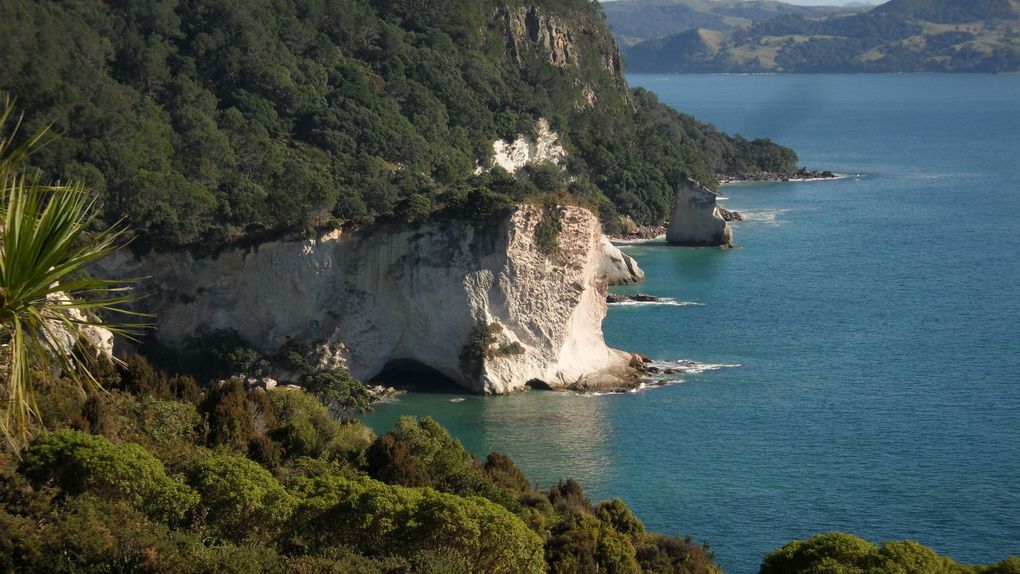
pixel 525 150
pixel 618 267
pixel 483 305
pixel 696 220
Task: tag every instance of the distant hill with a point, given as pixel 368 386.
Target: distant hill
pixel 636 21
pixel 898 36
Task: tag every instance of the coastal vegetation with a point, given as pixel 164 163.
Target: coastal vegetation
pixel 200 122
pixel 138 479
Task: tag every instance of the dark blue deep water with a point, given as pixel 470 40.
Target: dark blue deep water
pixel 875 321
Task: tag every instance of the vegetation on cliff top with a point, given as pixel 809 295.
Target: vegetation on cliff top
pixel 205 121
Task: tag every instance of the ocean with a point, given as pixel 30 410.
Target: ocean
pixel 862 342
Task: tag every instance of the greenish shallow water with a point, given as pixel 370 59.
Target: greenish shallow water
pixel 875 321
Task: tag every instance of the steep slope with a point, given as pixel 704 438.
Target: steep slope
pixel 898 36
pixel 204 122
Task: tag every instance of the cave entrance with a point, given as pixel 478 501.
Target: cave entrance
pixel 410 375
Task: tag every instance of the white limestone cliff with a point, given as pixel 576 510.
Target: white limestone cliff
pixel 405 293
pixel 696 220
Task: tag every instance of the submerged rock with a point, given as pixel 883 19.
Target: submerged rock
pixel 696 220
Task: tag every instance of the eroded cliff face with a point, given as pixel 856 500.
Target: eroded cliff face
pixel 534 29
pixel 696 220
pixel 405 293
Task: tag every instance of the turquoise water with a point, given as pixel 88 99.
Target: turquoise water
pixel 875 319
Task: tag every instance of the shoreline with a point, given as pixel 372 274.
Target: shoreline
pixel 770 176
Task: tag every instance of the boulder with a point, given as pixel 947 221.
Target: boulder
pixel 618 267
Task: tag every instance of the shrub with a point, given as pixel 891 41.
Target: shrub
pixel 583 543
pixel 417 452
pixel 224 353
pixel 661 554
pixel 303 425
pixel 568 497
pixel 168 421
pixel 414 208
pixel 547 233
pixel 383 519
pixel 230 415
pixel 265 451
pixel 80 463
pixel 501 469
pixel 477 348
pixel 844 553
pixel 243 499
pixel 139 377
pixel 619 516
pixel 341 393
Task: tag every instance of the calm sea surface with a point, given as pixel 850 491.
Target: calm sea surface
pixel 875 321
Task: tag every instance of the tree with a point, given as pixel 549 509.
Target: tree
pixel 47 301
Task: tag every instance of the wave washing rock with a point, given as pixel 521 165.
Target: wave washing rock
pixel 696 220
pixel 618 267
pixel 407 293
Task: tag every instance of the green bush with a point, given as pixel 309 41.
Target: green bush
pixel 230 415
pixel 417 452
pixel 661 554
pixel 306 429
pixel 547 234
pixel 415 208
pixel 382 519
pixel 583 543
pixel 341 393
pixel 840 553
pixel 80 463
pixel 242 499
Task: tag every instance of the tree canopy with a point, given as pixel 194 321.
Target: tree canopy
pixel 208 120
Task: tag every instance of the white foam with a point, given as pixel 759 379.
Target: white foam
pixel 768 217
pixel 662 302
pixel 689 367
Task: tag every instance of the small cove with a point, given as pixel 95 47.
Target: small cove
pixel 875 320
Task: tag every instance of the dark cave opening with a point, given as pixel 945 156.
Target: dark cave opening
pixel 410 375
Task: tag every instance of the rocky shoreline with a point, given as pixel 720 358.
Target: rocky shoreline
pixel 640 297
pixel 803 174
pixel 642 233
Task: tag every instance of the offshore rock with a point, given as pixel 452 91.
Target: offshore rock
pixel 618 267
pixel 696 220
pixel 417 294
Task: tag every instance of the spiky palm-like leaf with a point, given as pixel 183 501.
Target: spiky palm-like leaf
pixel 47 301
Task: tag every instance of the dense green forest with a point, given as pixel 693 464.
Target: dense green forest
pixel 209 120
pixel 897 36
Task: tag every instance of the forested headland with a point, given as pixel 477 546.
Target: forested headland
pixel 200 121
